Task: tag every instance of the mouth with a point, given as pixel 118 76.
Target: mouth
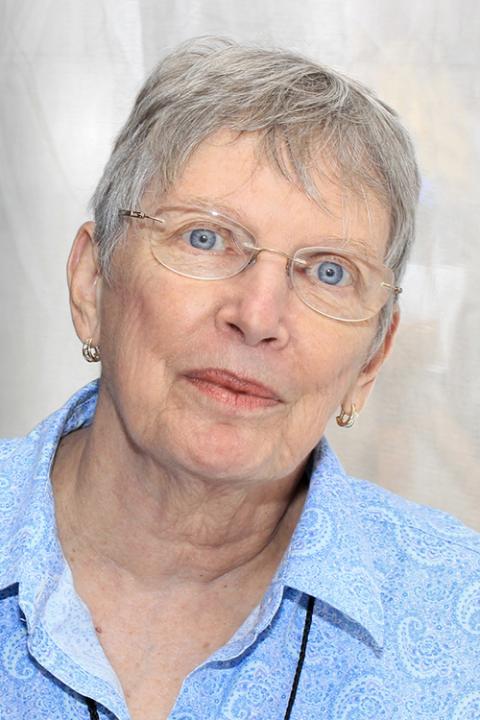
pixel 232 389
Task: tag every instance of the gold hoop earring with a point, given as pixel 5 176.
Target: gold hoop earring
pixel 91 353
pixel 345 419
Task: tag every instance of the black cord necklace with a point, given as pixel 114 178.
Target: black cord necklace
pixel 92 706
pixel 301 657
pixel 92 709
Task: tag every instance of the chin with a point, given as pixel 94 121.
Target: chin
pixel 223 451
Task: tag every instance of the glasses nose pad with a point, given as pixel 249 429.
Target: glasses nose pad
pixel 251 260
pixel 289 267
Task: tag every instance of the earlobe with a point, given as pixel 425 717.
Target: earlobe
pixel 347 418
pixel 84 282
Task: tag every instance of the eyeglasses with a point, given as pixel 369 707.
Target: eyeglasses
pixel 204 244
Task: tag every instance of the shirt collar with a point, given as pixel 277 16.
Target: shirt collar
pixel 25 464
pixel 329 555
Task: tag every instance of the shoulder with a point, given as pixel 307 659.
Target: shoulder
pixel 23 458
pixel 427 562
pixel 389 521
pixel 7 449
pixel 17 462
pixel 17 456
pixel 418 524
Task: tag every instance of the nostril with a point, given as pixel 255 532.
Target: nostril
pixel 238 331
pixel 235 328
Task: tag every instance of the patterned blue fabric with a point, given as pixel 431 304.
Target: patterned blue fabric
pixel 396 623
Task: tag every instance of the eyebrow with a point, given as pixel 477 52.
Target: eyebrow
pixel 359 245
pixel 208 204
pixel 362 245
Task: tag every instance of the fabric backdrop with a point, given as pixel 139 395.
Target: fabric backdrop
pixel 69 70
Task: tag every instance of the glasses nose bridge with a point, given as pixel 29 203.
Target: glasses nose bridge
pixel 288 258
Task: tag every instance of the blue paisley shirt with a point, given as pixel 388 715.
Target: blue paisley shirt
pixel 395 632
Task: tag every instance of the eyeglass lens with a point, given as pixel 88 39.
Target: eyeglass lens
pixel 207 246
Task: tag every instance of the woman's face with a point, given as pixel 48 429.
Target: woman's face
pixel 163 337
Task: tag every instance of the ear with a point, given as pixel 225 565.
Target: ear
pixel 358 394
pixel 84 282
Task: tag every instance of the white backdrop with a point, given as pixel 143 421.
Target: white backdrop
pixel 69 70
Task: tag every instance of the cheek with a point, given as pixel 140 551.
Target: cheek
pixel 136 343
pixel 130 328
pixel 332 362
pixel 148 322
pixel 327 377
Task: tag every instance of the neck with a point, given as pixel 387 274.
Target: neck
pixel 156 527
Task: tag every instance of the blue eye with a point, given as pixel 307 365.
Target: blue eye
pixel 332 273
pixel 203 239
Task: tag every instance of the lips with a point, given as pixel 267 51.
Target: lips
pixel 233 383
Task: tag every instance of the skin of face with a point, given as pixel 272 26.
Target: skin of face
pixel 155 327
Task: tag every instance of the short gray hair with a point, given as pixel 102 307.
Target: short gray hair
pixel 298 108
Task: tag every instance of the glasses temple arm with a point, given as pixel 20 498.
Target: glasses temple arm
pixel 397 290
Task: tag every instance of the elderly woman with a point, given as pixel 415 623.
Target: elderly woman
pixel 179 540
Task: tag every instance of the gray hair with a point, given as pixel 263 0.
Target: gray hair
pixel 298 108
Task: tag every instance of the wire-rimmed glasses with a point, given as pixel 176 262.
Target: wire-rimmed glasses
pixel 205 244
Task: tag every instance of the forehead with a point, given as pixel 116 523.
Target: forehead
pixel 229 171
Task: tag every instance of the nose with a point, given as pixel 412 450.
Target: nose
pixel 255 304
